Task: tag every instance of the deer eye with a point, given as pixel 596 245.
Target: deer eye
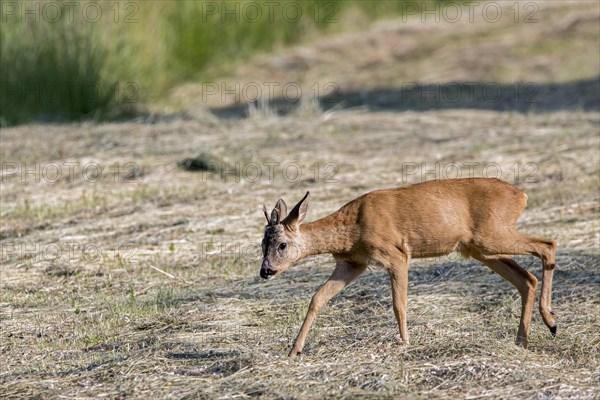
pixel 282 246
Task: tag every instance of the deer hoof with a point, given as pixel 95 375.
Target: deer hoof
pixel 293 353
pixel 522 342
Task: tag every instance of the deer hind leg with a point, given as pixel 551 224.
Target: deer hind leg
pixel 526 284
pixel 544 249
pixel 344 273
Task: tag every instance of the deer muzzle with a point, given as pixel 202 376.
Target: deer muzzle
pixel 265 270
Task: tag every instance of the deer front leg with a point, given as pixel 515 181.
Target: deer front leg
pixel 399 279
pixel 344 273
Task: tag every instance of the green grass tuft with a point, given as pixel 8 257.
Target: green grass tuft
pixel 71 67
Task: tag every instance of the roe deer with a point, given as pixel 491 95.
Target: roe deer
pixel 474 216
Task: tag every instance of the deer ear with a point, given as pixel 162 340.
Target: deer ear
pixel 282 209
pixel 274 220
pixel 266 214
pixel 298 213
pixel 278 213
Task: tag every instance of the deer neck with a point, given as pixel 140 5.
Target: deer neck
pixel 326 235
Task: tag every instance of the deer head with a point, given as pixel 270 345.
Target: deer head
pixel 282 243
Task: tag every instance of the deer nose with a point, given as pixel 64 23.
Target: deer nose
pixel 265 270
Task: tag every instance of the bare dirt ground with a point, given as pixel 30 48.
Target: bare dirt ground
pixel 124 275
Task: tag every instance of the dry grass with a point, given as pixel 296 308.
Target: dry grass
pixel 87 323
pixel 142 281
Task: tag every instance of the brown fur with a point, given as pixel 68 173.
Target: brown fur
pixel 476 217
